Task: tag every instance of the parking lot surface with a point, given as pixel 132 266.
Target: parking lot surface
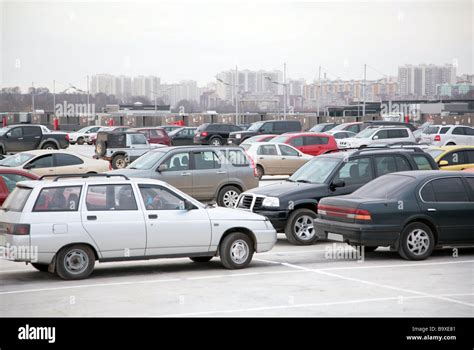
pixel 287 281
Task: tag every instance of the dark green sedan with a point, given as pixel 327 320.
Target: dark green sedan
pixel 411 212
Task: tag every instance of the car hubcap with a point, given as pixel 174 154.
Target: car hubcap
pixel 304 228
pixel 76 261
pixel 49 148
pixel 418 242
pixel 216 142
pixel 120 163
pixel 230 198
pixel 239 251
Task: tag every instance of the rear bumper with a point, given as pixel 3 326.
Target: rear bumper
pixel 200 141
pixel 359 234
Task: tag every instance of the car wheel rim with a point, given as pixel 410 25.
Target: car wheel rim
pixel 239 251
pixel 304 228
pixel 120 163
pixel 49 148
pixel 230 198
pixel 216 142
pixel 418 242
pixel 76 261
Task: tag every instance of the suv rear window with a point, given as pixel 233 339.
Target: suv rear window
pixel 17 199
pixel 237 158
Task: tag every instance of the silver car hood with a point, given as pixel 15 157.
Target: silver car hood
pixel 220 213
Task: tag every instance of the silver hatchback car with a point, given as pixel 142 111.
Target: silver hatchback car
pixel 67 224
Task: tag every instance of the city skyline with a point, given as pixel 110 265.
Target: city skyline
pixel 195 41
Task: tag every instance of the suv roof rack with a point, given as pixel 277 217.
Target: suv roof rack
pixel 83 176
pixel 388 147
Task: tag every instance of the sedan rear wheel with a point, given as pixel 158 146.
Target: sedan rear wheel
pixel 417 242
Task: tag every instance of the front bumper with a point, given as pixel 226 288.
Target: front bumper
pixel 234 141
pixel 278 218
pixel 359 234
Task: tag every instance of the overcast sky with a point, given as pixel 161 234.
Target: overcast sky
pixel 66 41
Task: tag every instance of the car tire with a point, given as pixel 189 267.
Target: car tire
pixel 236 250
pixel 300 229
pixel 80 141
pixel 363 146
pixel 119 162
pixel 49 145
pixel 72 142
pixel 40 267
pixel 228 196
pixel 416 242
pixel 201 259
pixel 75 262
pixel 100 148
pixel 260 172
pixel 450 144
pixel 215 141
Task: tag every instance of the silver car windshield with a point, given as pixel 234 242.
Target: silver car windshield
pixel 315 171
pixel 147 161
pixel 16 160
pixel 365 133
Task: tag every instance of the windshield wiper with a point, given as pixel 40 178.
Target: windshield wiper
pixel 304 181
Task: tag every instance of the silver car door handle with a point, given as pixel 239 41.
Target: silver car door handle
pixel 222 172
pixel 431 209
pixel 185 174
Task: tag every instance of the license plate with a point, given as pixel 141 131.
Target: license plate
pixel 335 237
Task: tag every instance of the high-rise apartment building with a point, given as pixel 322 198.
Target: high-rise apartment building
pixel 419 81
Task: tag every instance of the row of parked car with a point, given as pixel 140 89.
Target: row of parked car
pixel 375 196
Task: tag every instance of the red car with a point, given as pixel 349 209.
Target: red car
pixel 9 178
pixel 310 143
pixel 155 135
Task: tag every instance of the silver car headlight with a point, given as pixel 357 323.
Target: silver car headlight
pixel 238 136
pixel 271 202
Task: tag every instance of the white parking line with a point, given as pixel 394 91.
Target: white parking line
pixel 294 269
pixel 334 303
pixel 386 286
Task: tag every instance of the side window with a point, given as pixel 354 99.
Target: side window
pixel 31 131
pixel 382 134
pixel 353 128
pixel 403 133
pixel 454 158
pixel 177 162
pixel 427 193
pixel 458 131
pixel 94 129
pixel 422 162
pixel 356 172
pixel 16 132
pixel 58 199
pixel 110 197
pixel 235 128
pixel 42 162
pixel 282 127
pixel 470 156
pixel 296 142
pixel 385 165
pixel 469 131
pixel 267 128
pixel 402 164
pixel 444 130
pixel 470 182
pixel 11 180
pixel 136 139
pixel 393 134
pixel 63 159
pixel 288 151
pixel 237 158
pixel 267 150
pixel 159 198
pixel 449 190
pixel 206 160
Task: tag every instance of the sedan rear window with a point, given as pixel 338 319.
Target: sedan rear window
pixel 431 130
pixel 17 199
pixel 384 187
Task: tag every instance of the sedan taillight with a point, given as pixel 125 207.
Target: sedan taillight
pixel 346 213
pixel 437 138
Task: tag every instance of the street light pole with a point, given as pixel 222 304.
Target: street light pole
pixel 33 96
pixel 236 87
pixel 54 97
pixel 318 91
pixel 363 90
pixel 284 91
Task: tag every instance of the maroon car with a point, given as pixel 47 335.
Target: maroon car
pixel 9 178
pixel 155 135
